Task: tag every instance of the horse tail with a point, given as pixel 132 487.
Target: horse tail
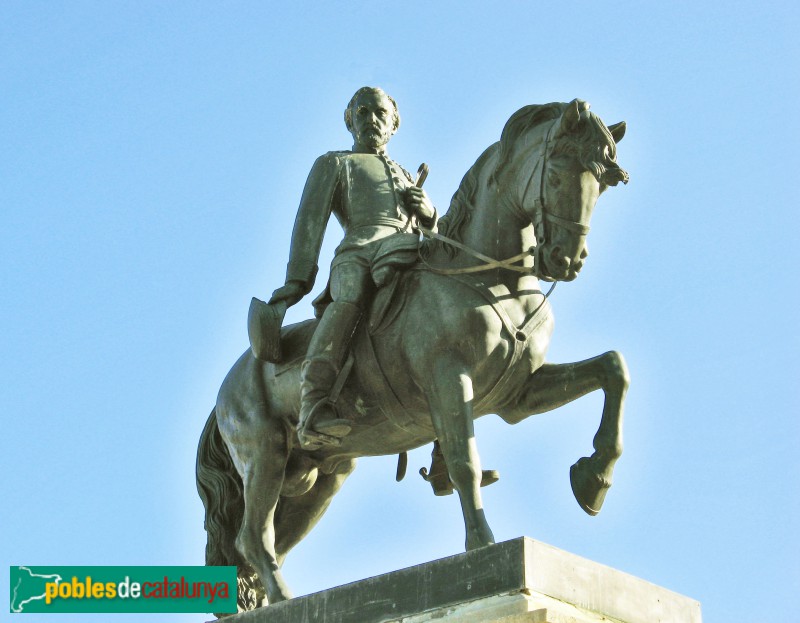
pixel 220 489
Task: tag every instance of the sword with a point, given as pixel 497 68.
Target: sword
pixel 422 175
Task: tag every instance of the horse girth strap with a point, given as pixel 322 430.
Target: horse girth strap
pixel 377 383
pixel 488 262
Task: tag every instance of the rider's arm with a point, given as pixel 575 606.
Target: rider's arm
pixel 309 229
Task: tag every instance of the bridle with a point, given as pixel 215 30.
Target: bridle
pixel 537 214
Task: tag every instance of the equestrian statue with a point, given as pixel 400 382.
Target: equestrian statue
pixel 425 325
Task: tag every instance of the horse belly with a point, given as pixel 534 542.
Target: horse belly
pixel 382 426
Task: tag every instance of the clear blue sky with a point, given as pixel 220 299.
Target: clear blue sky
pixel 152 155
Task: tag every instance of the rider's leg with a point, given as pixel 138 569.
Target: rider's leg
pixel 327 353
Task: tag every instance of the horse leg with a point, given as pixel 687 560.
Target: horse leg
pixel 554 385
pixel 262 471
pixel 450 401
pixel 296 516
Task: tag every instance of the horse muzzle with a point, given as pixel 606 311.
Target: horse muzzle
pixel 558 266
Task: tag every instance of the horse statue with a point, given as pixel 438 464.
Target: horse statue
pixel 462 334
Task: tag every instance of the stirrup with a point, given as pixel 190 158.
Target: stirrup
pixel 442 485
pixel 313 434
pixel 312 440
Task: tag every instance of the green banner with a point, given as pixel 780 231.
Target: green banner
pixel 123 589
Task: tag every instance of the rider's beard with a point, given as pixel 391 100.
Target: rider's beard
pixel 374 137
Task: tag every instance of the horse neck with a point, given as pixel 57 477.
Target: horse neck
pixel 499 230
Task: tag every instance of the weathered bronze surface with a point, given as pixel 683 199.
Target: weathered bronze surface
pixel 414 341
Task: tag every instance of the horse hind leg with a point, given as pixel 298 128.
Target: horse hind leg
pixel 297 515
pixel 220 488
pixel 554 385
pixel 261 459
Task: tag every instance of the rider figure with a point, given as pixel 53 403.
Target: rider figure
pixel 374 200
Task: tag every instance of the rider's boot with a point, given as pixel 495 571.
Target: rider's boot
pixel 326 354
pixel 439 477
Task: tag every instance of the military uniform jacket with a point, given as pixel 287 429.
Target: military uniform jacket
pixel 365 193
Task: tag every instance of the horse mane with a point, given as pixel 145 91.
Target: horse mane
pixel 461 207
pixel 525 119
pixel 463 202
pixel 592 144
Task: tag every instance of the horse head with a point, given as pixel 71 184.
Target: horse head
pixel 566 157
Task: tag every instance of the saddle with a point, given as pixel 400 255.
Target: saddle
pixel 268 338
pixel 288 347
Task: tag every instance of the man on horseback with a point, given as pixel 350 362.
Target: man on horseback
pixel 375 200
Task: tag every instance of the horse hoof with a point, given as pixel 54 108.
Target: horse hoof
pixel 478 542
pixel 588 487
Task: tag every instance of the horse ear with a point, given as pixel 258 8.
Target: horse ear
pixel 571 116
pixel 617 131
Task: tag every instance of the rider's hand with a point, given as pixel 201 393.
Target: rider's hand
pixel 292 292
pixel 418 202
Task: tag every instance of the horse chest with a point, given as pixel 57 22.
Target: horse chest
pixel 519 353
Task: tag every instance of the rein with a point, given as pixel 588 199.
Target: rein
pixel 488 262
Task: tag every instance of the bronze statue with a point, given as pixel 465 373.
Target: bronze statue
pixel 461 333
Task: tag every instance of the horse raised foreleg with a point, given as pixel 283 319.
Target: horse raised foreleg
pixel 450 401
pixel 260 455
pixel 554 385
pixel 296 516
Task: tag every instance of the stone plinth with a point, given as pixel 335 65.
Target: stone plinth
pixel 513 582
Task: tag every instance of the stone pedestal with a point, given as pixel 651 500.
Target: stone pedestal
pixel 513 582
